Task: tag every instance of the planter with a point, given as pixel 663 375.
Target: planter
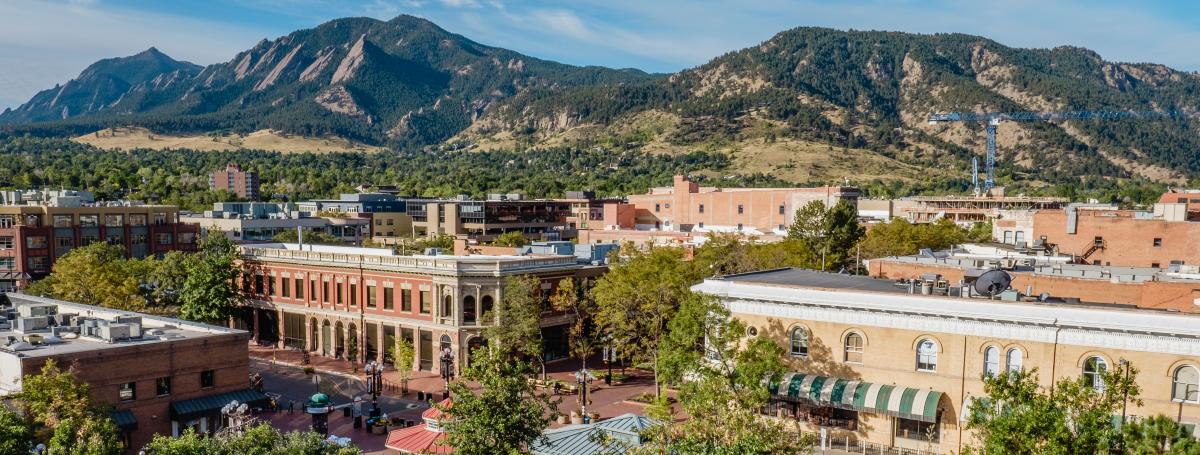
pixel 563 419
pixel 593 416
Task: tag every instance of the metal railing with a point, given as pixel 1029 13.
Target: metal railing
pixel 850 444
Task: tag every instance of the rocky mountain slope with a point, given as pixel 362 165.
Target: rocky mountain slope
pixel 809 104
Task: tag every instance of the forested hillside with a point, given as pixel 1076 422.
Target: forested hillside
pixel 808 105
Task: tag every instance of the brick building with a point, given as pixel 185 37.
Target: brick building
pixel 873 364
pixel 233 179
pixel 34 235
pixel 161 375
pixel 321 297
pixel 687 207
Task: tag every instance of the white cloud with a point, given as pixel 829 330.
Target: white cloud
pixel 461 3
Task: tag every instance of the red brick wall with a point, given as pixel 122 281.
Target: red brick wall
pixel 1128 241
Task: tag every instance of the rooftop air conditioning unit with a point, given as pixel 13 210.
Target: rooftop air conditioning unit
pixel 115 332
pixel 31 324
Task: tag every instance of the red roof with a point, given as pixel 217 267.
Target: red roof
pixel 434 413
pixel 418 439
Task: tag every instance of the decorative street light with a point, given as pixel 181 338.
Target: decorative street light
pixel 610 355
pixel 583 377
pixel 236 415
pixel 447 360
pixel 374 372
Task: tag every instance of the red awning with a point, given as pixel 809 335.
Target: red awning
pixel 418 439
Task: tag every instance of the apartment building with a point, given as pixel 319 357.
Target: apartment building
pixel 873 363
pixel 34 234
pixel 244 184
pixel 687 207
pixel 160 375
pixel 320 297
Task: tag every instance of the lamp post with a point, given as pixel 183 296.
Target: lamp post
pixel 447 360
pixel 583 377
pixel 610 354
pixel 236 414
pixel 374 372
pixel 1124 389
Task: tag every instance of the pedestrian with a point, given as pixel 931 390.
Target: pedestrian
pixel 291 407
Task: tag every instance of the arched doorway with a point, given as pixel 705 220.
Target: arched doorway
pixel 313 334
pixel 469 317
pixel 339 340
pixel 326 339
pixel 354 344
pixel 486 304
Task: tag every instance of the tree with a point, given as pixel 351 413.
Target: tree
pixel 723 392
pixel 504 415
pixel 99 274
pixel 1158 435
pixel 63 415
pixel 14 434
pixel 638 298
pixel 1018 416
pixel 260 438
pixel 511 238
pixel 572 299
pixel 899 237
pixel 827 231
pixel 403 355
pixel 210 292
pixel 518 316
pixel 168 277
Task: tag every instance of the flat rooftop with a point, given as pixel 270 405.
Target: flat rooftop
pixel 154 329
pixel 1081 271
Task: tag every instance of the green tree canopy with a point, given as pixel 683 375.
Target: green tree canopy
pixel 310 238
pixel 828 231
pixel 99 274
pixel 899 237
pixel 517 330
pixel 210 292
pixel 259 439
pixel 63 415
pixel 511 238
pixel 504 415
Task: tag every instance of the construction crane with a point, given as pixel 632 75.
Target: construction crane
pixel 993 119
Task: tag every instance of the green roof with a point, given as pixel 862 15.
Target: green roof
pixel 214 403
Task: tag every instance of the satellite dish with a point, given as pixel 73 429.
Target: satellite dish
pixel 992 282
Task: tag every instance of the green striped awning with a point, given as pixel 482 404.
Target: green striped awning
pixel 903 402
pixel 124 420
pixel 212 404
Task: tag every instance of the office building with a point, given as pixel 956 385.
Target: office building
pixel 160 375
pixel 874 363
pixel 255 222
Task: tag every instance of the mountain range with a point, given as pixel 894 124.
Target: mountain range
pixel 809 104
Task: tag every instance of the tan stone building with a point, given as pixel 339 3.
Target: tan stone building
pixel 875 364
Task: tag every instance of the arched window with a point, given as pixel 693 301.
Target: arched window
pixel 799 339
pixel 447 306
pixel 486 310
pixel 1015 357
pixel 445 343
pixel 926 355
pixel 854 348
pixel 1093 371
pixel 1186 385
pixel 991 361
pixel 469 310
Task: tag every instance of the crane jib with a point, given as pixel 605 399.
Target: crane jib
pixel 1067 115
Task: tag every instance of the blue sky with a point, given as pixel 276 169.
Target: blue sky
pixel 44 42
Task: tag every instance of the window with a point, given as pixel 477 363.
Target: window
pixel 781 209
pixel 740 209
pixel 63 221
pixel 137 239
pixel 389 299
pixel 667 205
pixel 468 310
pixel 854 348
pixel 1155 265
pixel 338 295
pixel 991 361
pixel 162 386
pixel 160 218
pixel 1015 357
pixel 1008 236
pixel 371 299
pixel 36 242
pixel 6 243
pixel 917 430
pixel 799 342
pixel 208 378
pixel 485 310
pixel 926 355
pixel 1093 372
pixel 128 391
pixel 701 225
pixel 353 294
pixel 7 221
pixel 271 286
pixel 258 284
pixel 114 239
pixel 325 292
pixel 1019 237
pixel 114 220
pixel 1186 385
pixel 312 290
pixel 8 263
pixel 187 238
pixel 739 226
pixel 39 263
pixel 426 302
pixel 701 208
pixel 285 287
pixel 447 306
pixel 162 238
pixel 64 242
pixel 656 207
pixel 391 222
pixel 137 219
pixel 89 220
pixel 1157 242
pixel 300 288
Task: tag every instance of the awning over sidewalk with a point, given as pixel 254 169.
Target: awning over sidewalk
pixel 903 402
pixel 124 420
pixel 214 403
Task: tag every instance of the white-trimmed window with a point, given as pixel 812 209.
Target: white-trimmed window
pixel 1093 371
pixel 926 355
pixel 1014 360
pixel 799 342
pixel 1186 385
pixel 854 348
pixel 991 361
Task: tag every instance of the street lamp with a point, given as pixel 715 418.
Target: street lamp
pixel 583 377
pixel 374 372
pixel 610 354
pixel 447 360
pixel 236 414
pixel 1124 389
